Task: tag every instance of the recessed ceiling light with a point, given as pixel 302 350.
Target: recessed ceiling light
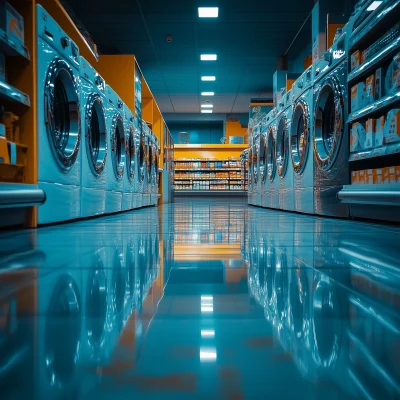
pixel 208 57
pixel 207 93
pixel 208 78
pixel 208 12
pixel 206 111
pixel 374 5
pixel 207 106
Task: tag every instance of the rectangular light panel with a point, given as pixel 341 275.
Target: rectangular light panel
pixel 207 106
pixel 208 57
pixel 208 78
pixel 207 93
pixel 208 12
pixel 206 111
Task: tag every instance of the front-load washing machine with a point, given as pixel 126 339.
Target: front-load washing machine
pixel 283 164
pixel 58 121
pixel 330 137
pixel 272 176
pixel 256 165
pixel 250 184
pixel 140 164
pixel 115 164
pixel 94 141
pixel 147 172
pixel 155 179
pixel 264 184
pixel 130 159
pixel 300 142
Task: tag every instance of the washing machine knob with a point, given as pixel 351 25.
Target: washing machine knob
pixel 65 42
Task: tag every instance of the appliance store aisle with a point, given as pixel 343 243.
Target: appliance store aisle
pixel 201 300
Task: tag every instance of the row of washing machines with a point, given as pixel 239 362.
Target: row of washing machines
pixel 298 154
pixel 95 156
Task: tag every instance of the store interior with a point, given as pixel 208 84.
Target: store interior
pixel 199 199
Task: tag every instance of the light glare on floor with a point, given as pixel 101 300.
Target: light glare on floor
pixel 208 57
pixel 208 12
pixel 208 354
pixel 207 333
pixel 205 309
pixel 208 78
pixel 374 5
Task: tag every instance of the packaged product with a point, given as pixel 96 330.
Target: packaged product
pixel 361 176
pixel 354 177
pixel 391 131
pixel 370 89
pixel 379 84
pixel 385 175
pixel 392 79
pixel 12 151
pixel 357 137
pixel 355 60
pixel 392 174
pixel 370 176
pixel 358 96
pixel 398 174
pixel 370 129
pixel 380 126
pixel 12 23
pixel 378 175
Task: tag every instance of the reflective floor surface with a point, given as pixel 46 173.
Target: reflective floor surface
pixel 201 300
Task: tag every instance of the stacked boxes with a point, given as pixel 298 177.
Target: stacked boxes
pixel 377 176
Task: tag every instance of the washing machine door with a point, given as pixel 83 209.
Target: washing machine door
pixel 271 158
pixel 62 113
pixel 255 160
pixel 156 161
pixel 282 146
pixel 130 150
pixel 328 122
pixel 142 154
pixel 263 154
pixel 117 139
pixel 300 135
pixel 150 162
pixel 250 166
pixel 95 134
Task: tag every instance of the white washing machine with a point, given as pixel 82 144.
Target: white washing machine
pixel 330 136
pixel 272 176
pixel 264 184
pixel 301 142
pixel 58 119
pixel 141 164
pixel 131 159
pixel 115 163
pixel 283 164
pixel 94 144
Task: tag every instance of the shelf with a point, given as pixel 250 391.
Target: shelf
pixel 379 105
pixel 380 20
pixel 201 179
pixel 11 172
pixel 210 192
pixel 208 169
pixel 386 194
pixel 10 93
pixel 10 48
pixel 368 67
pixel 392 148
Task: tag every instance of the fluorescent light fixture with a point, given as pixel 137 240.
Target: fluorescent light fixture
pixel 207 106
pixel 207 93
pixel 208 12
pixel 374 5
pixel 206 111
pixel 208 308
pixel 208 354
pixel 208 57
pixel 208 78
pixel 207 298
pixel 207 333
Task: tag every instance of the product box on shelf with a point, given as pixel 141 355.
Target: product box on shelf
pixel 355 60
pixel 2 130
pixel 12 151
pixel 12 22
pixel 370 129
pixel 378 175
pixel 392 78
pixel 370 89
pixel 392 174
pixel 379 129
pixel 358 96
pixel 357 137
pixel 379 83
pixel 391 131
pixel 4 155
pixel 369 176
pixel 361 176
pixel 354 177
pixel 397 174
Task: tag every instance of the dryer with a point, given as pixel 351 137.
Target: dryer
pixel 94 144
pixel 330 137
pixel 115 164
pixel 301 142
pixel 272 176
pixel 284 166
pixel 58 121
pixel 131 159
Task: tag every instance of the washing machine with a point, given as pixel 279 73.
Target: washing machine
pixel 301 142
pixel 141 164
pixel 131 159
pixel 264 184
pixel 148 169
pixel 330 135
pixel 283 164
pixel 115 163
pixel 94 143
pixel 155 195
pixel 152 168
pixel 250 185
pixel 272 176
pixel 256 166
pixel 58 121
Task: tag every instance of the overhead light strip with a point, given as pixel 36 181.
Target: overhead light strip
pixel 207 93
pixel 208 78
pixel 208 57
pixel 208 12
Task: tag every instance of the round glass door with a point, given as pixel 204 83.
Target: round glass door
pixel 62 113
pixel 118 146
pixel 255 162
pixel 282 146
pixel 263 151
pixel 142 156
pixel 271 162
pixel 328 123
pixel 150 162
pixel 250 165
pixel 96 134
pixel 300 136
pixel 130 153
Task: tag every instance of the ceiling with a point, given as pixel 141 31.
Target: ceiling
pixel 247 37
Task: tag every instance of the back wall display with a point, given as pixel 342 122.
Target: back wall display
pixel 197 132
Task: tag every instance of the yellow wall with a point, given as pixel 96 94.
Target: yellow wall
pixel 234 128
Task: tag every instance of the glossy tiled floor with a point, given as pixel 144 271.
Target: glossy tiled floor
pixel 200 300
